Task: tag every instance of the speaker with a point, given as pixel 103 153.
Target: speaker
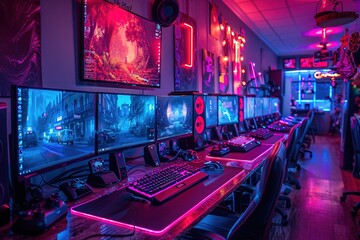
pixel 241 115
pixel 4 170
pixel 151 156
pixel 165 12
pixel 199 135
pixel 117 164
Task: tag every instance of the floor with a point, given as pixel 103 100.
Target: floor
pixel 316 211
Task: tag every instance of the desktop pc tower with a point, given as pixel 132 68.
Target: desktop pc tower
pixel 198 138
pixel 4 170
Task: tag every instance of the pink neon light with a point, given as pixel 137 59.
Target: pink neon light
pixel 190 59
pixel 150 231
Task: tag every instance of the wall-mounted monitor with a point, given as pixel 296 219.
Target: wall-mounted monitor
pixel 228 110
pixel 289 63
pixel 125 121
pixel 51 129
pixel 211 106
pixel 119 47
pixel 174 117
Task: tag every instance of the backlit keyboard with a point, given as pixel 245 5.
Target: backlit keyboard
pixel 261 133
pixel 241 144
pixel 165 183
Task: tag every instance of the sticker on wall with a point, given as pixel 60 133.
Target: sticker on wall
pixel 208 72
pixel 19 44
pixel 185 64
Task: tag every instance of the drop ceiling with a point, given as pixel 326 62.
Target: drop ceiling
pixel 289 26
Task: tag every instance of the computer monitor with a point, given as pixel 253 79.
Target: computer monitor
pixel 174 117
pixel 266 106
pixel 211 107
pixel 249 107
pixel 275 105
pixel 118 46
pixel 228 110
pixel 51 129
pixel 125 121
pixel 258 107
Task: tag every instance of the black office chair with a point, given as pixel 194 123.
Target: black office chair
pixel 293 161
pixel 355 136
pixel 306 142
pixel 255 221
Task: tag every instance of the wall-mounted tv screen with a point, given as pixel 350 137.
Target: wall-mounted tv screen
pixel 119 46
pixel 174 117
pixel 52 128
pixel 258 107
pixel 211 111
pixel 249 107
pixel 228 110
pixel 125 121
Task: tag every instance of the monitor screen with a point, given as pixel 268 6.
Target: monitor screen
pixel 174 117
pixel 119 46
pixel 52 128
pixel 228 110
pixel 249 107
pixel 258 107
pixel 275 105
pixel 211 111
pixel 125 121
pixel 266 106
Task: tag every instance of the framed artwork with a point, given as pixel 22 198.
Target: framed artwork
pixel 289 63
pixel 214 21
pixel 223 74
pixel 185 64
pixel 20 45
pixel 306 62
pixel 208 72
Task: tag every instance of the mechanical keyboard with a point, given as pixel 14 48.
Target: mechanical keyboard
pixel 261 133
pixel 165 183
pixel 279 128
pixel 241 144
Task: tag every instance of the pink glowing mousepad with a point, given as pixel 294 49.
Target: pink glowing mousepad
pixel 119 208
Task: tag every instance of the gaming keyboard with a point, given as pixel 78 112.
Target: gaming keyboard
pixel 261 133
pixel 241 144
pixel 279 128
pixel 165 183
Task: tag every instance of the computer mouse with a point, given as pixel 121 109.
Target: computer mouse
pixel 213 165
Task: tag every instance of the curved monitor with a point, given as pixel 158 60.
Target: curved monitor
pixel 119 46
pixel 125 121
pixel 228 109
pixel 211 106
pixel 174 117
pixel 51 128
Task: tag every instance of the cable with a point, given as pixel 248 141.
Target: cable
pixel 111 235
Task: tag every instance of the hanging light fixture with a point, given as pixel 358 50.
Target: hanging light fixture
pixel 329 13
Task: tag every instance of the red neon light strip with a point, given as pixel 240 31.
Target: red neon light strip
pixel 190 59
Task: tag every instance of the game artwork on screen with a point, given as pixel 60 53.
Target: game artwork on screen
pixel 125 120
pixel 120 46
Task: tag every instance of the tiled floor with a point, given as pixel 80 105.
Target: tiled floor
pixel 316 211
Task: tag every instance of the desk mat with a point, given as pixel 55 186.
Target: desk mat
pixel 119 208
